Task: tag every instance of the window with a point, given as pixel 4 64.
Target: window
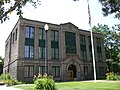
pixel 29 51
pixel 82 40
pixel 42 52
pixel 26 51
pixel 83 47
pixel 98 42
pixel 42 34
pixel 92 72
pixel 31 71
pixel 101 71
pixel 54 44
pixel 29 32
pixel 99 51
pixel 16 32
pixel 29 42
pixel 85 70
pixel 90 48
pixel 13 37
pixel 42 39
pixel 54 35
pixel 28 71
pixel 41 70
pixel 70 41
pixel 55 71
pixel 54 53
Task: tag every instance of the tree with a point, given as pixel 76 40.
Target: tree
pixel 110 7
pixel 8 6
pixel 112 45
pixel 1 64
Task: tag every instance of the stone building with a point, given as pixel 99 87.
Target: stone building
pixel 69 53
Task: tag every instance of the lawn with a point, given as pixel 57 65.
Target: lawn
pixel 78 86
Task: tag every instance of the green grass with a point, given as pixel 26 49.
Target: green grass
pixel 79 86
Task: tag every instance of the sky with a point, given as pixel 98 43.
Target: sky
pixel 57 12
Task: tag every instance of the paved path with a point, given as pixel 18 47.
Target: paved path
pixel 3 87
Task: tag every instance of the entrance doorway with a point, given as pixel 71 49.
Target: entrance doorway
pixel 71 72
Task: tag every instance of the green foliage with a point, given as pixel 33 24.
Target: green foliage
pixel 111 39
pixel 12 82
pixel 1 65
pixel 78 85
pixel 111 6
pixel 7 79
pixel 44 82
pixel 8 6
pixel 1 60
pixel 112 76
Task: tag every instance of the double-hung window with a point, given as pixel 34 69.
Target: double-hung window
pixel 29 42
pixel 85 70
pixel 83 47
pixel 54 44
pixel 56 71
pixel 42 70
pixel 90 48
pixel 99 50
pixel 42 38
pixel 28 71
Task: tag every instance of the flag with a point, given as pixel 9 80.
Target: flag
pixel 89 13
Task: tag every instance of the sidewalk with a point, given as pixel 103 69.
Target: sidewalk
pixel 3 87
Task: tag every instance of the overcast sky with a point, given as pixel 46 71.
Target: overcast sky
pixel 58 11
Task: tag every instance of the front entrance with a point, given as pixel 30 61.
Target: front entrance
pixel 71 72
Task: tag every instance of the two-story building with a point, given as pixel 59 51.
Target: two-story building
pixel 69 53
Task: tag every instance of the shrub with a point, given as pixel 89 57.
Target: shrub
pixel 112 76
pixel 7 79
pixel 44 82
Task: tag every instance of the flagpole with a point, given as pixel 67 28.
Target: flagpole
pixel 92 43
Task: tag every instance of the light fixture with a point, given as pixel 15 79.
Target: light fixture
pixel 46 27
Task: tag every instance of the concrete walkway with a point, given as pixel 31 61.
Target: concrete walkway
pixel 3 87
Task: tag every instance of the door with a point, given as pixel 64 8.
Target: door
pixel 70 75
pixel 72 72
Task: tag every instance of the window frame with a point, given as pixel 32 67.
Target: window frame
pixel 55 42
pixel 86 70
pixel 56 73
pixel 99 49
pixel 29 73
pixel 30 32
pixel 70 42
pixel 41 52
pixel 90 48
pixel 83 49
pixel 29 53
pixel 41 70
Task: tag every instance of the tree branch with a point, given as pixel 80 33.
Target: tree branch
pixel 12 8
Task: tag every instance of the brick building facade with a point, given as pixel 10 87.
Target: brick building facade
pixel 69 54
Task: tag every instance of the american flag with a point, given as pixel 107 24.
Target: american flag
pixel 89 13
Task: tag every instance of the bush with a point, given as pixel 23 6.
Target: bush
pixel 112 76
pixel 44 82
pixel 7 79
